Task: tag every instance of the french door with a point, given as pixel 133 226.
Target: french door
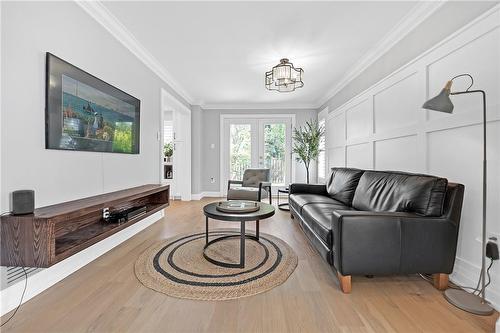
pixel 257 143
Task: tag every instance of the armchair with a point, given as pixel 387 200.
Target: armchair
pixel 255 186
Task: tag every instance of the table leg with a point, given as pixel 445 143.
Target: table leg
pixel 242 245
pixel 206 229
pixel 257 229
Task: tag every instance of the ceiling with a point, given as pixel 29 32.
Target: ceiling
pixel 218 52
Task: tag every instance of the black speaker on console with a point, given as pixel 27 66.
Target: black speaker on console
pixel 23 202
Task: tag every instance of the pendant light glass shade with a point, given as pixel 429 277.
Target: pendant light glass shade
pixel 284 77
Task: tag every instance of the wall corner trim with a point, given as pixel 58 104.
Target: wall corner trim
pixel 111 23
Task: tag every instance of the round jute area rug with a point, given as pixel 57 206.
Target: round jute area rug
pixel 176 266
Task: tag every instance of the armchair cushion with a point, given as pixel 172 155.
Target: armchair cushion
pixel 253 177
pixel 245 193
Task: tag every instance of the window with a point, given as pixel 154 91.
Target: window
pixel 322 154
pixel 168 131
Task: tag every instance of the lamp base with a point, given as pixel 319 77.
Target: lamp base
pixel 468 302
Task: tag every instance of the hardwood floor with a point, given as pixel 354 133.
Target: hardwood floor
pixel 105 296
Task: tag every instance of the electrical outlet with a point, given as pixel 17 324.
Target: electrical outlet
pixel 490 237
pixel 212 180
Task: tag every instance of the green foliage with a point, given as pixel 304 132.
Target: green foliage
pixel 274 135
pixel 168 149
pixel 122 139
pixel 306 143
pixel 240 149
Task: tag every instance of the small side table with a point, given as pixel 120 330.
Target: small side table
pixel 283 206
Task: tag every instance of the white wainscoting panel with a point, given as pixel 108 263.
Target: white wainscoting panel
pixel 472 59
pixel 357 120
pixel 360 156
pixel 336 157
pixel 457 154
pixel 393 154
pixel 336 136
pixel 397 105
pixel 397 134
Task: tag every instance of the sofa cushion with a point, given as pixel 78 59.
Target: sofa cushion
pixel 319 218
pixel 384 191
pixel 342 184
pixel 297 201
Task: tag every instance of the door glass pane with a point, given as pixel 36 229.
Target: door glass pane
pixel 240 150
pixel 274 151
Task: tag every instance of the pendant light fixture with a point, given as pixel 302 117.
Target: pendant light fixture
pixel 284 77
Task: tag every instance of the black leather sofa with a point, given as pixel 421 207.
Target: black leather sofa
pixel 381 222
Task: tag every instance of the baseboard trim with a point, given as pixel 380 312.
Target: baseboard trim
pixel 199 196
pixel 48 277
pixel 466 273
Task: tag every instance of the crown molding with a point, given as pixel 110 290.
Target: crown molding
pixel 419 13
pixel 454 35
pixel 261 106
pixel 104 17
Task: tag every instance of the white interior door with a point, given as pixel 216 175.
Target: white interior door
pixel 256 143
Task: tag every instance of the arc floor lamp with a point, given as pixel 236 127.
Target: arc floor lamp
pixel 459 297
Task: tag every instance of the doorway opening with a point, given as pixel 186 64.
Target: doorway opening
pixel 175 146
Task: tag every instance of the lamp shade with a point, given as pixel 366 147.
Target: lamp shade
pixel 441 102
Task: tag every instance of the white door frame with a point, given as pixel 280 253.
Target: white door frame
pixel 169 102
pixel 323 114
pixel 223 144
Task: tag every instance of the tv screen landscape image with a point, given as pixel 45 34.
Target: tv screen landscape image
pixel 85 113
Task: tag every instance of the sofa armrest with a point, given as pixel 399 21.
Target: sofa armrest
pixel 392 242
pixel 308 188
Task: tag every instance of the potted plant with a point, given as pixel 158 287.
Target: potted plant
pixel 168 151
pixel 306 143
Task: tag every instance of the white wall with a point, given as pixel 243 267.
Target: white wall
pixel 384 127
pixel 28 30
pixel 210 134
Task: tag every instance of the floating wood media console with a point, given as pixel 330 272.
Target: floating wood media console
pixel 54 233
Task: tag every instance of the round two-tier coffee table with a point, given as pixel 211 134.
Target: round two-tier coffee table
pixel 211 211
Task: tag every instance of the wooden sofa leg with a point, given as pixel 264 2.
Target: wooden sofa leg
pixel 291 216
pixel 440 281
pixel 345 283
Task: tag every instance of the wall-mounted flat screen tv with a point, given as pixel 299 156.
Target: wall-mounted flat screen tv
pixel 85 113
